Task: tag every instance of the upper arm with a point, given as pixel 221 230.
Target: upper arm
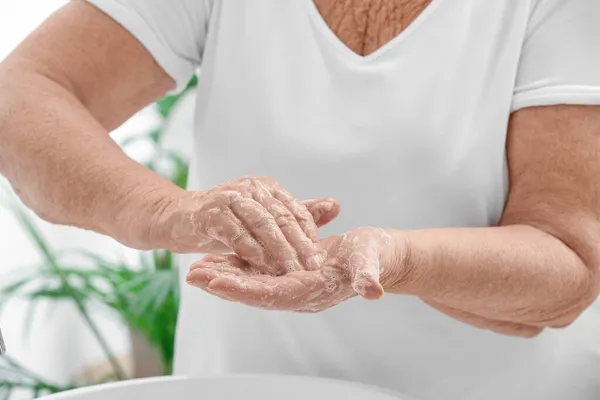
pixel 553 145
pixel 113 55
pixel 554 163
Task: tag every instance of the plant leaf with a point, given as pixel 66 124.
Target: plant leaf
pixel 192 83
pixel 166 104
pixel 14 287
pixel 155 135
pixel 180 168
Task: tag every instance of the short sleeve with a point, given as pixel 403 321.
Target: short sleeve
pixel 560 59
pixel 173 31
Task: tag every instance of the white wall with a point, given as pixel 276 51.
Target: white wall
pixel 19 17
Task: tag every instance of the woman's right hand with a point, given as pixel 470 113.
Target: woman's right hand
pixel 253 217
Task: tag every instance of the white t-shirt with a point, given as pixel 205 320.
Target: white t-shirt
pixel 411 136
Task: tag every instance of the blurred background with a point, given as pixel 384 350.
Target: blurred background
pixel 78 308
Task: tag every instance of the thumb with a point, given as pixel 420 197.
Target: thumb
pixel 323 210
pixel 364 275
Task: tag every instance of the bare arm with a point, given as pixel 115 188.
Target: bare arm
pixel 541 267
pixel 74 79
pixel 81 75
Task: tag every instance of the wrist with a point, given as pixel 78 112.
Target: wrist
pixel 136 219
pixel 399 263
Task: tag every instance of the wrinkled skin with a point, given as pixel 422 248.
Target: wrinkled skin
pixel 353 266
pixel 255 218
pixel 366 25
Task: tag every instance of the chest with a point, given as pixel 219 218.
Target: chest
pixel 364 26
pixel 278 91
pixel 377 66
pixel 420 121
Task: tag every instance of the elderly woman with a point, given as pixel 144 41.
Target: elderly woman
pixel 460 139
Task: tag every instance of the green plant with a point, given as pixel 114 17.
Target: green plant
pixel 145 296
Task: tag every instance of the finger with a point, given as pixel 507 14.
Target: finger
pixel 504 328
pixel 363 265
pixel 231 259
pixel 286 217
pixel 299 211
pixel 223 225
pixel 201 274
pixel 266 232
pixel 290 292
pixel 215 258
pixel 313 259
pixel 323 211
pixel 214 266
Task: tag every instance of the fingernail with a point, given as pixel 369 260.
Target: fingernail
pixel 325 206
pixel 373 292
pixel 192 283
pixel 368 288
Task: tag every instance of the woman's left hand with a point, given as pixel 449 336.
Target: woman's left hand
pixel 353 266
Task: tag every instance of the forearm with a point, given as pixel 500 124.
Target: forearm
pixel 66 168
pixel 513 273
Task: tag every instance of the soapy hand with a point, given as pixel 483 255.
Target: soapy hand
pixel 354 264
pixel 253 217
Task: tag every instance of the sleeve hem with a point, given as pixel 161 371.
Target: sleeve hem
pixel 179 70
pixel 571 95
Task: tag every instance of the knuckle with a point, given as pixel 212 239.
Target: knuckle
pixel 225 197
pixel 215 217
pixel 245 184
pixel 264 223
pixel 285 220
pixel 284 196
pixel 303 214
pixel 306 250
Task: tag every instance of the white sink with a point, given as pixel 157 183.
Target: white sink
pixel 234 387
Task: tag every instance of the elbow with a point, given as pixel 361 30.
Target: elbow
pixel 531 333
pixel 520 331
pixel 574 301
pixel 574 278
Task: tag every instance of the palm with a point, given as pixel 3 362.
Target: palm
pixel 351 268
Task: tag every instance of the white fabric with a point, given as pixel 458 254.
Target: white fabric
pixel 412 136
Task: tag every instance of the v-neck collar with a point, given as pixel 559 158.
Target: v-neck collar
pixel 330 35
